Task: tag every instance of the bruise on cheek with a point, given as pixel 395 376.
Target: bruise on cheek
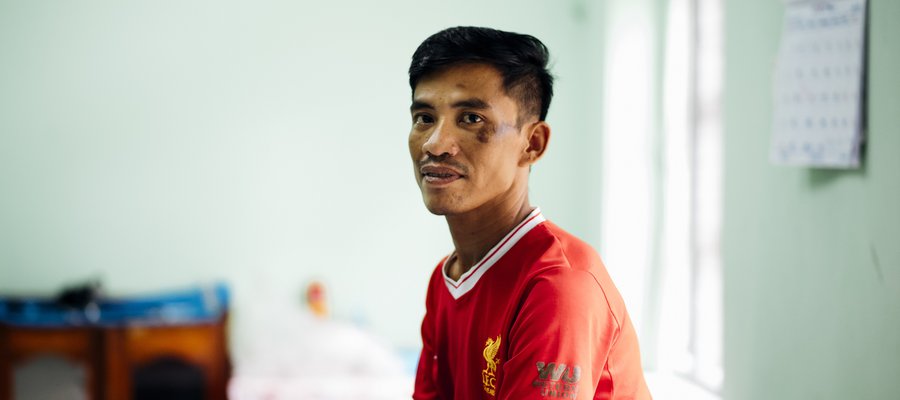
pixel 489 130
pixel 485 132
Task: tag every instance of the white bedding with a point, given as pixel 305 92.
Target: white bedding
pixel 293 355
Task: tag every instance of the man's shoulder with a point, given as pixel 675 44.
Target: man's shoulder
pixel 567 250
pixel 568 262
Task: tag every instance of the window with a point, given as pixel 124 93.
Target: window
pixel 661 218
pixel 690 296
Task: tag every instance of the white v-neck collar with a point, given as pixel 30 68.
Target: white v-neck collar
pixel 468 280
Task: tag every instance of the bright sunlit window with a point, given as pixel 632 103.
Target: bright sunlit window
pixel 690 299
pixel 662 189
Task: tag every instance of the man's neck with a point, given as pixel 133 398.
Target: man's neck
pixel 475 233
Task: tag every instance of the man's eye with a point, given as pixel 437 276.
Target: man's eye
pixel 422 119
pixel 470 118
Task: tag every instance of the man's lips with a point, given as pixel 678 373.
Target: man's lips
pixel 439 174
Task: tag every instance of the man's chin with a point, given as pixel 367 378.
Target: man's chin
pixel 441 209
pixel 447 204
pixel 437 210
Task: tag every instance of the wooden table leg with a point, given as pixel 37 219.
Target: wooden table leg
pixel 6 369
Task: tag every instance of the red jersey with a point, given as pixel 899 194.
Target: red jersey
pixel 537 318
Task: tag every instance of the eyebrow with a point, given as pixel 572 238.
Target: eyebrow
pixel 473 103
pixel 477 104
pixel 419 105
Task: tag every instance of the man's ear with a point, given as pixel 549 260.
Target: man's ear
pixel 537 136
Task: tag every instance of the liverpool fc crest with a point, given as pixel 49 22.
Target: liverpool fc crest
pixel 488 375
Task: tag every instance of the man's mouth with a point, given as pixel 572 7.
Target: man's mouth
pixel 436 175
pixel 439 175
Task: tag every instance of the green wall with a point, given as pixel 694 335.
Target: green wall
pixel 155 145
pixel 812 256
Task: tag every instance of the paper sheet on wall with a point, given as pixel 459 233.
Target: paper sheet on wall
pixel 818 115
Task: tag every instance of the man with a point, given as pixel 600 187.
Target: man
pixel 520 309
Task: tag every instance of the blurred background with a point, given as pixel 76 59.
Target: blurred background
pixel 172 146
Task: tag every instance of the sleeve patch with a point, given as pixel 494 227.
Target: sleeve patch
pixel 557 380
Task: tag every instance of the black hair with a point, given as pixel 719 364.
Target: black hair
pixel 520 59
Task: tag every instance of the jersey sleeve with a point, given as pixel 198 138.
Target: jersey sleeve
pixel 560 340
pixel 426 372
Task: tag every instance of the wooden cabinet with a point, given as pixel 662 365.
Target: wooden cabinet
pixel 201 345
pixel 111 354
pixel 119 336
pixel 81 345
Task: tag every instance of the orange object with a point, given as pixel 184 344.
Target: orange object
pixel 315 299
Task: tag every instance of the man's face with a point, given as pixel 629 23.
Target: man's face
pixel 466 147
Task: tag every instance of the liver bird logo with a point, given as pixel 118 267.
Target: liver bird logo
pixel 491 347
pixel 488 375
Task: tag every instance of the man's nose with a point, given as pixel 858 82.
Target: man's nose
pixel 441 141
